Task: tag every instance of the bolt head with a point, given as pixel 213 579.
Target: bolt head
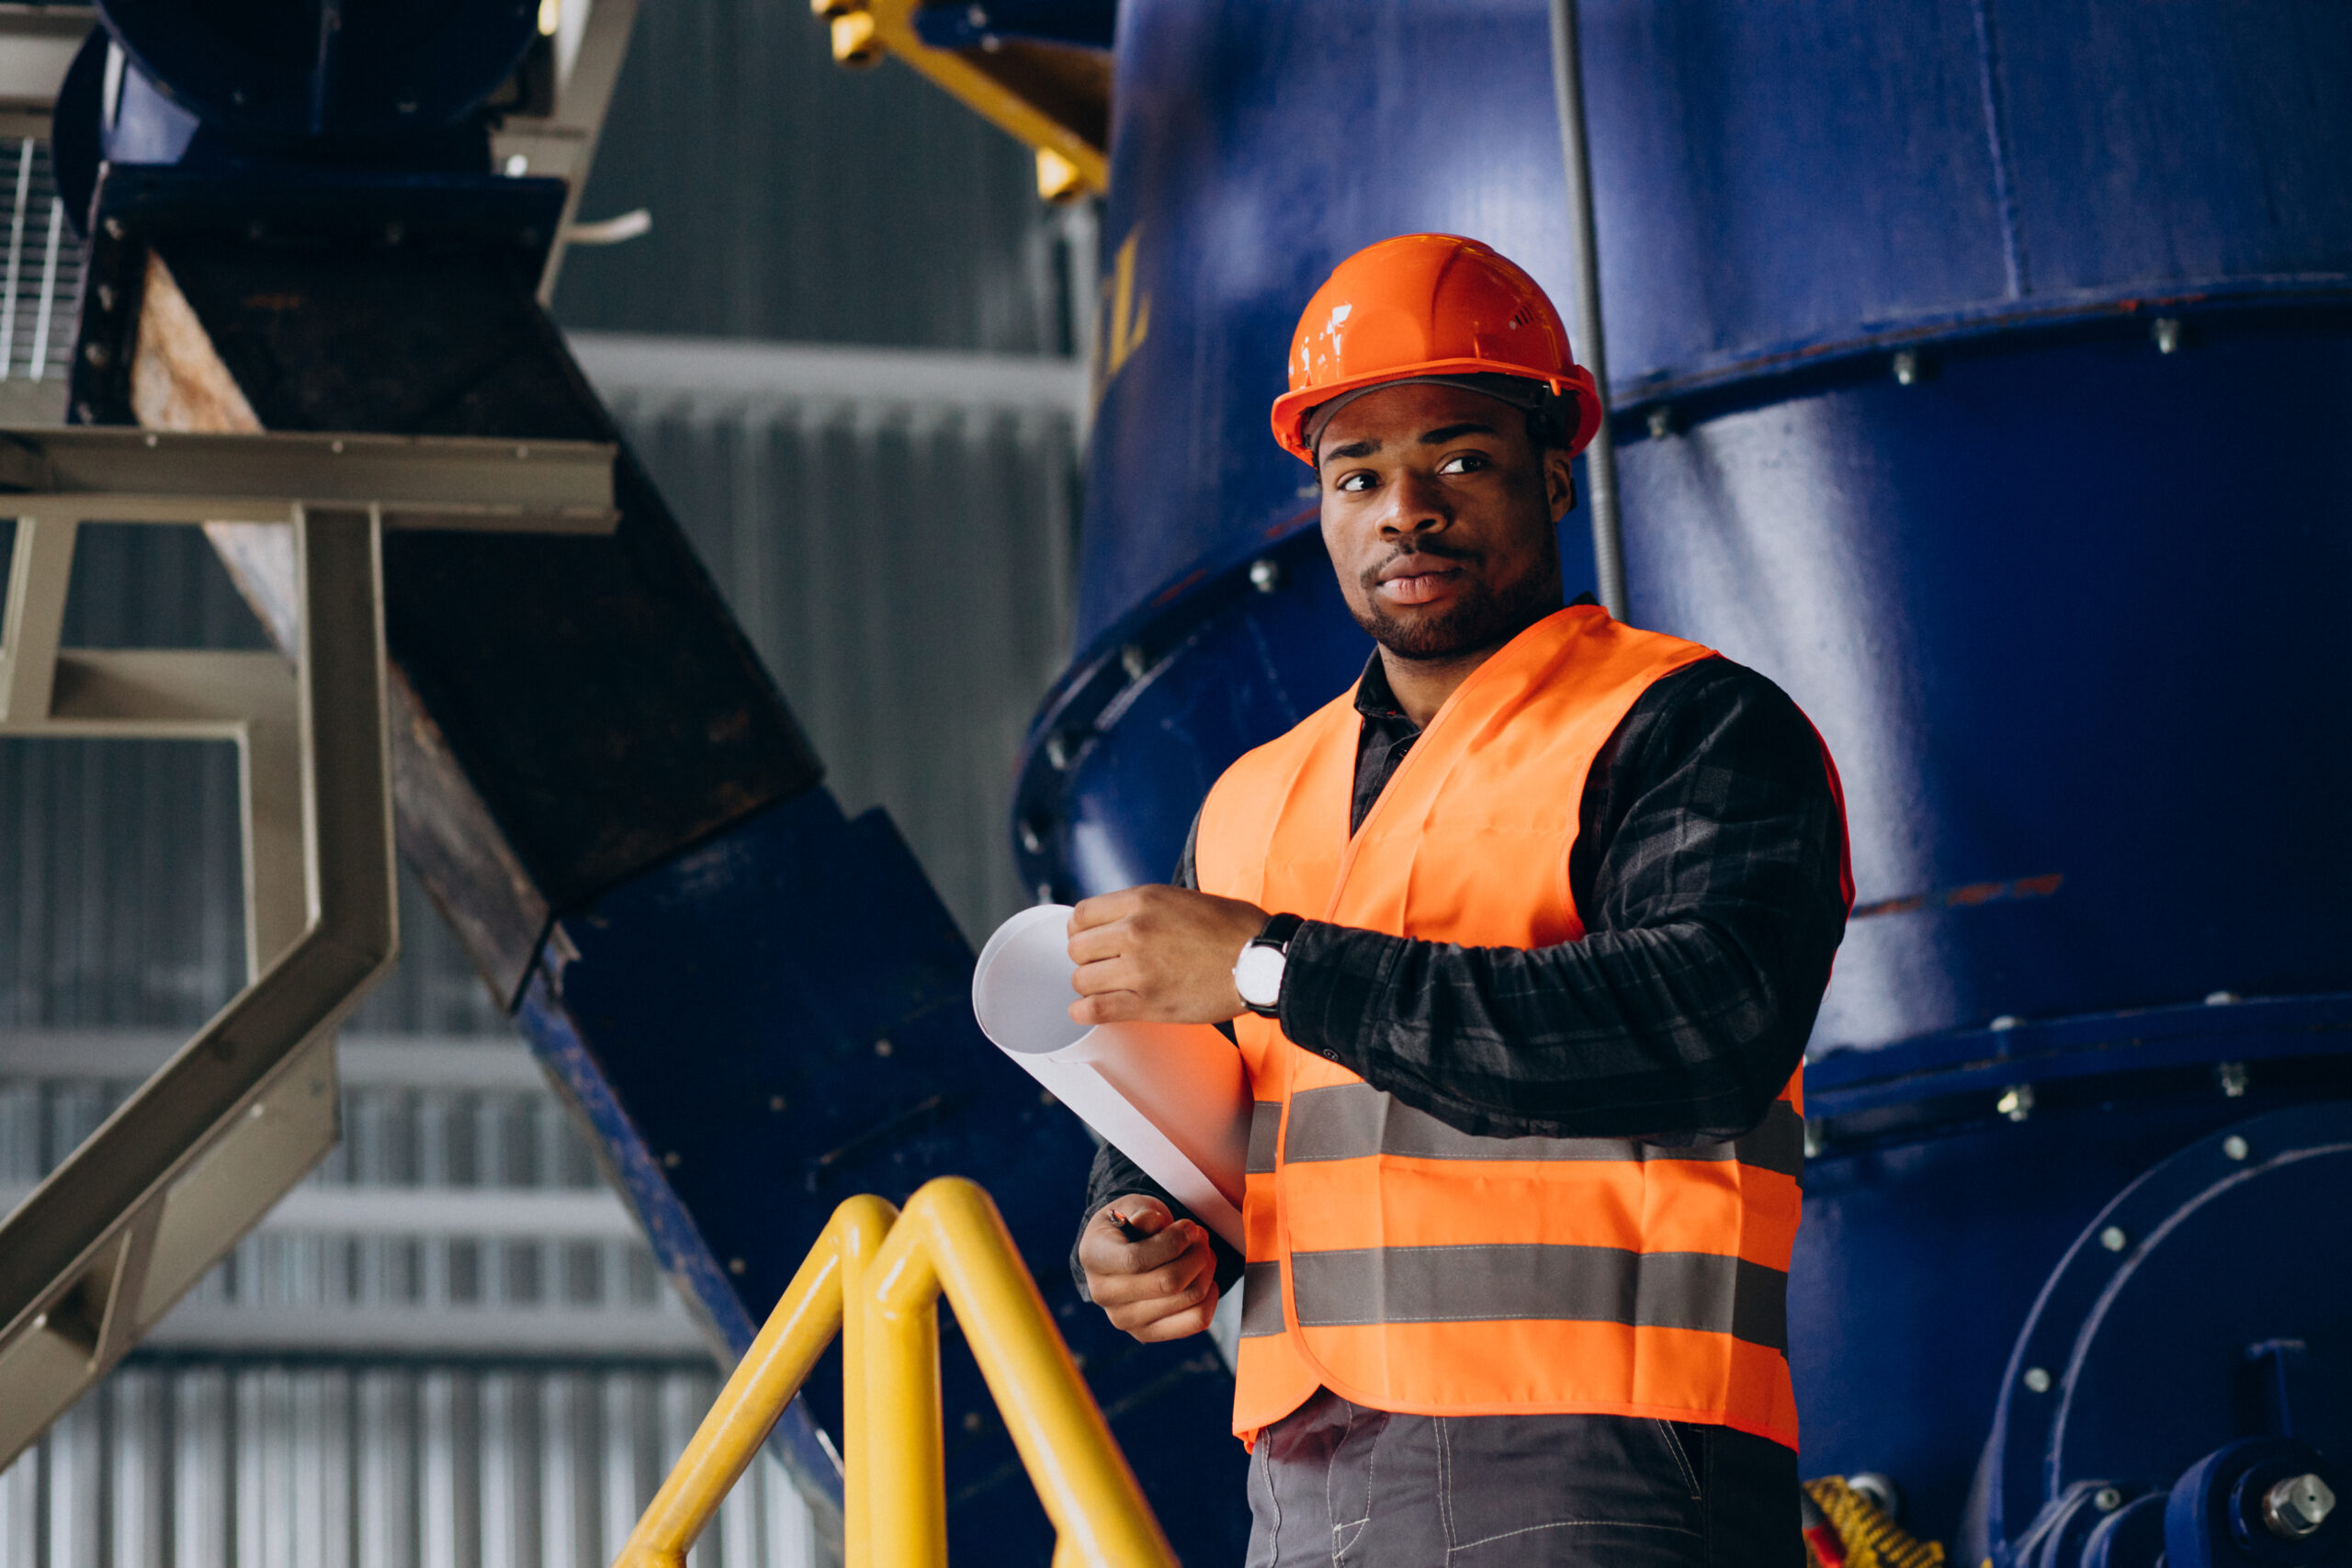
pixel 1661 422
pixel 2038 1378
pixel 1265 575
pixel 1135 660
pixel 2236 1147
pixel 2165 330
pixel 1906 367
pixel 2113 1239
pixel 2296 1508
pixel 2107 1499
pixel 734 1265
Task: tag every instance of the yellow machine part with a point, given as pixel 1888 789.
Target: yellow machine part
pixel 1055 99
pixel 1872 1541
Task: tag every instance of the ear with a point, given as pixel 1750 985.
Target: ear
pixel 1559 482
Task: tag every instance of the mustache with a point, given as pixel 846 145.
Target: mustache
pixel 1439 549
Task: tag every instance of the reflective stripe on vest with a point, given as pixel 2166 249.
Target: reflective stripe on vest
pixel 1410 1266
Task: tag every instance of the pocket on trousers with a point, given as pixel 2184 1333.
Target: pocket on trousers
pixel 1570 1490
pixel 1686 1445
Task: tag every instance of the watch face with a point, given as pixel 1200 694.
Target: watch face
pixel 1259 976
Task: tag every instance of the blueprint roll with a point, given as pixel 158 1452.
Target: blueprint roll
pixel 1171 1097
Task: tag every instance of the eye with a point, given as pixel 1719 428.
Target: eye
pixel 1464 463
pixel 1353 483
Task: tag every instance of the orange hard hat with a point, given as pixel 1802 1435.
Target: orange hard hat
pixel 1428 306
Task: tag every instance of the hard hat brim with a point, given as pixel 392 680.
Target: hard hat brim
pixel 1291 409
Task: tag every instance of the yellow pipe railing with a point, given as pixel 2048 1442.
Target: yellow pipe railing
pixel 875 1277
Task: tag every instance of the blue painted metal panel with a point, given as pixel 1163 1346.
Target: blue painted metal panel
pixel 1932 1220
pixel 2048 635
pixel 781 1019
pixel 2145 1365
pixel 2064 606
pixel 1253 148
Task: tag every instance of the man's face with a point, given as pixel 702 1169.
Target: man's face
pixel 1438 512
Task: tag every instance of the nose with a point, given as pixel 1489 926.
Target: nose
pixel 1417 504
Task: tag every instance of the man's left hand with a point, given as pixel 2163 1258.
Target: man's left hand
pixel 1160 954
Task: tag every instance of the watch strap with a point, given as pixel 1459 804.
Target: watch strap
pixel 1275 933
pixel 1278 930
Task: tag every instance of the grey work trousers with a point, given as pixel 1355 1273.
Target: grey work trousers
pixel 1342 1486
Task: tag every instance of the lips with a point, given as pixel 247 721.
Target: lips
pixel 1415 578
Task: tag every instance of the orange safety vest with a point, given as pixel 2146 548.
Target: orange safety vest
pixel 1408 1266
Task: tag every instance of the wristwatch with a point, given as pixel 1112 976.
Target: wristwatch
pixel 1258 972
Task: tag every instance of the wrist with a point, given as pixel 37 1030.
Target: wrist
pixel 1260 970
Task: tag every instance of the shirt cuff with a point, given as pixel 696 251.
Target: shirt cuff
pixel 1332 977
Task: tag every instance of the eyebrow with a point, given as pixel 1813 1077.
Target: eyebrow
pixel 1437 437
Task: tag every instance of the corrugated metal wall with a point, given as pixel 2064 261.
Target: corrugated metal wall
pixel 792 199
pixel 303 1465
pixel 377 1377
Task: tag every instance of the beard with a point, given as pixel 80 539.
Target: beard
pixel 1482 616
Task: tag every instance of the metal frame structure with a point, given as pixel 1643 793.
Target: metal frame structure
pixel 126 1224
pixel 592 40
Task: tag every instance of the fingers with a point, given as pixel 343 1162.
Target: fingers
pixel 1181 1298
pixel 1104 908
pixel 1106 1252
pixel 1112 1007
pixel 1138 1212
pixel 1162 1287
pixel 1181 1324
pixel 1116 973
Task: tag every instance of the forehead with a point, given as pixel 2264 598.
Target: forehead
pixel 1394 416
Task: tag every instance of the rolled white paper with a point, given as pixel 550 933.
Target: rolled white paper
pixel 1171 1097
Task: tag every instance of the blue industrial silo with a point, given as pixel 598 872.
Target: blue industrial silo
pixel 1981 372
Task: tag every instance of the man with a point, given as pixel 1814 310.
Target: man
pixel 1521 940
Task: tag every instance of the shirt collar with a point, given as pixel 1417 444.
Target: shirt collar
pixel 1375 697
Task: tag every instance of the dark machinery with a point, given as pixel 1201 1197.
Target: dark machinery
pixel 1979 373
pixel 758 1005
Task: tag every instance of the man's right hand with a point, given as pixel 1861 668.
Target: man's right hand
pixel 1162 1287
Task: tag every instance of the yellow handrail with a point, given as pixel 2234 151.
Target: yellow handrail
pixel 875 1277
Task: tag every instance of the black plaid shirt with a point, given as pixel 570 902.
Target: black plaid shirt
pixel 1706 871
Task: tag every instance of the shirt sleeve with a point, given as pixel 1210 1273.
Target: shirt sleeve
pixel 1708 871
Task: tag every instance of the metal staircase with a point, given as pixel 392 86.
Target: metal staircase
pixel 168 1183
